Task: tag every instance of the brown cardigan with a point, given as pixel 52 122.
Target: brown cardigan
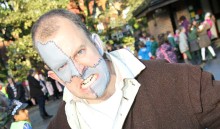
pixel 171 96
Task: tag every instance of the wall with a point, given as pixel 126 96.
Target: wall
pixel 163 20
pixel 159 24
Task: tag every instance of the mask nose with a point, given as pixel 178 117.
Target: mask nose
pixel 78 69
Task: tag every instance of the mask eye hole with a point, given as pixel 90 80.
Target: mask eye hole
pixel 62 67
pixel 80 54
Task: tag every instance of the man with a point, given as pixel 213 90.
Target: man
pixel 115 90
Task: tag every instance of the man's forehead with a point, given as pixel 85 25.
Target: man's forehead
pixel 69 38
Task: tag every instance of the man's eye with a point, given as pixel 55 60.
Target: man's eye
pixel 62 67
pixel 80 52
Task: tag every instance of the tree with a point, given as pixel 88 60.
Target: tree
pixel 15 25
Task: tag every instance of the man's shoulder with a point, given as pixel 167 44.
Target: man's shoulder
pixel 162 66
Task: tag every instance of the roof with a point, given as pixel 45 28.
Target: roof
pixel 152 5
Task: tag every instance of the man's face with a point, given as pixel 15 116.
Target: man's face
pixel 75 61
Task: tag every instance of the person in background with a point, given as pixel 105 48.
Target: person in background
pixel 183 46
pixel 6 108
pixel 55 89
pixel 204 40
pixel 37 93
pixel 177 40
pixel 193 43
pixel 184 23
pixel 213 27
pixel 143 52
pixel 165 50
pixel 208 20
pixel 176 36
pixel 116 90
pixel 143 37
pixel 20 116
pixel 15 90
pixel 171 40
pixel 154 46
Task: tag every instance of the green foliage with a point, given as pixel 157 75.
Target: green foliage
pixel 128 40
pixel 111 42
pixel 22 57
pixel 16 26
pixel 133 4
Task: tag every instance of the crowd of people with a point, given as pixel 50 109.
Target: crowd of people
pixel 19 96
pixel 189 42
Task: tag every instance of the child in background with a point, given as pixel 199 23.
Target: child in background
pixel 143 52
pixel 176 36
pixel 165 50
pixel 193 42
pixel 20 116
pixel 154 46
pixel 171 40
pixel 183 45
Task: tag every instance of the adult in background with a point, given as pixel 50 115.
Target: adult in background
pixel 204 40
pixel 15 90
pixel 37 93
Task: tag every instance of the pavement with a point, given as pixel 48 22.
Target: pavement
pixel 212 66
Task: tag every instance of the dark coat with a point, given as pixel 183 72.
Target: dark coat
pixel 171 96
pixel 20 92
pixel 35 87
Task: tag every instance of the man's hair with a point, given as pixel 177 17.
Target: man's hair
pixel 49 23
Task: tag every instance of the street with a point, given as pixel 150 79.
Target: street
pixel 36 120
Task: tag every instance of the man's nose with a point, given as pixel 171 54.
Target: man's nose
pixel 80 68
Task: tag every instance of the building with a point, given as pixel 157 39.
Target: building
pixel 163 15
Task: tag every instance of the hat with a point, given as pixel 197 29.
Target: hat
pixel 18 106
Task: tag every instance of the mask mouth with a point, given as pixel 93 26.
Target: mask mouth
pixel 89 81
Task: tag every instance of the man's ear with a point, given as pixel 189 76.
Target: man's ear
pixel 98 43
pixel 52 75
